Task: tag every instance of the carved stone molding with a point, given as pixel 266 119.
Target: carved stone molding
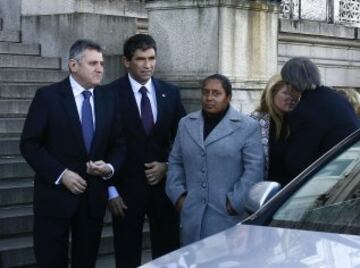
pixel 346 12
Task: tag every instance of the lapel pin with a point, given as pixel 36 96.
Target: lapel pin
pixel 163 95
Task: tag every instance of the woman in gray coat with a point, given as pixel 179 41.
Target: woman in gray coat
pixel 217 156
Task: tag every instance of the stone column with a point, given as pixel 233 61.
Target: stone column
pixel 197 38
pixel 10 15
pixel 56 24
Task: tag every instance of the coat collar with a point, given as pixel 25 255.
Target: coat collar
pixel 230 122
pixel 100 118
pixel 161 99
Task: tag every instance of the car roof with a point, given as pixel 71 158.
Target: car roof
pixel 260 246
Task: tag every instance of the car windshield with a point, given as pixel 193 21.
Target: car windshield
pixel 329 201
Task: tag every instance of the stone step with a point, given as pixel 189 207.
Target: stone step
pixel 16 220
pixel 18 251
pixel 9 146
pixel 14 107
pixel 20 91
pixel 11 126
pixel 14 167
pixel 27 61
pixel 105 261
pixel 19 48
pixel 16 191
pixel 9 36
pixel 31 75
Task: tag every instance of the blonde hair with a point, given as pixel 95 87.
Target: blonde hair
pixel 352 96
pixel 267 105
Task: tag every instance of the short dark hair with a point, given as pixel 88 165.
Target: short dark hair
pixel 225 82
pixel 301 73
pixel 138 41
pixel 78 48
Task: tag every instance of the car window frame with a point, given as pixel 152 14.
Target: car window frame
pixel 264 215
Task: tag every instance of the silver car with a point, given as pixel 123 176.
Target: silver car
pixel 313 222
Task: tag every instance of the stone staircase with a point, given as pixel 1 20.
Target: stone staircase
pixel 22 71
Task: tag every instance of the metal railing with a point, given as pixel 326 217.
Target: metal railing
pixel 345 12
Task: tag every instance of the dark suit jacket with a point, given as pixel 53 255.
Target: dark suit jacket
pixel 52 141
pixel 320 120
pixel 141 148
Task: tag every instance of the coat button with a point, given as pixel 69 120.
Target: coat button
pixel 203 185
pixel 202 154
pixel 203 170
pixel 203 200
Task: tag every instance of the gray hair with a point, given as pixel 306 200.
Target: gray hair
pixel 301 73
pixel 77 49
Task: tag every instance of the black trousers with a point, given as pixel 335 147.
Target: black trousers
pixel 51 239
pixel 128 230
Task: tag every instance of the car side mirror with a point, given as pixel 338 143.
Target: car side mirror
pixel 259 194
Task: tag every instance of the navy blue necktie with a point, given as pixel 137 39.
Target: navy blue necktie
pixel 146 112
pixel 87 122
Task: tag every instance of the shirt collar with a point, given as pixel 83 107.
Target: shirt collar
pixel 77 89
pixel 135 85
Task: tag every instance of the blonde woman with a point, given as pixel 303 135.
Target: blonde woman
pixel 353 97
pixel 276 101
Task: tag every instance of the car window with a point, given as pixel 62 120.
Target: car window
pixel 329 201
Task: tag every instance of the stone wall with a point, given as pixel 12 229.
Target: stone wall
pixel 57 24
pixel 334 48
pixel 10 13
pixel 197 38
pixel 134 8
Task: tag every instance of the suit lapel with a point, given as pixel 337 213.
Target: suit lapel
pixel 72 113
pixel 127 99
pixel 225 127
pixel 100 117
pixel 161 99
pixel 195 127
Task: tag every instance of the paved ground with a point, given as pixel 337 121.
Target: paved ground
pixel 109 261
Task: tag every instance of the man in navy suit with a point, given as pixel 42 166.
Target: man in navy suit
pixel 72 138
pixel 152 110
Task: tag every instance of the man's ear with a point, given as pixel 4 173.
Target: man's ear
pixel 126 62
pixel 73 65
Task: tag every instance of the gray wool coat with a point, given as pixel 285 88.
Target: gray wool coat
pixel 223 167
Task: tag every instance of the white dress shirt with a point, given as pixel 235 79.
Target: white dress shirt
pixel 77 90
pixel 150 93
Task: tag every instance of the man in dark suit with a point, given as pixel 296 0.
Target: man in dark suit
pixel 320 120
pixel 152 110
pixel 72 139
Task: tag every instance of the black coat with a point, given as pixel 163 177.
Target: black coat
pixel 52 141
pixel 141 148
pixel 131 183
pixel 320 120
